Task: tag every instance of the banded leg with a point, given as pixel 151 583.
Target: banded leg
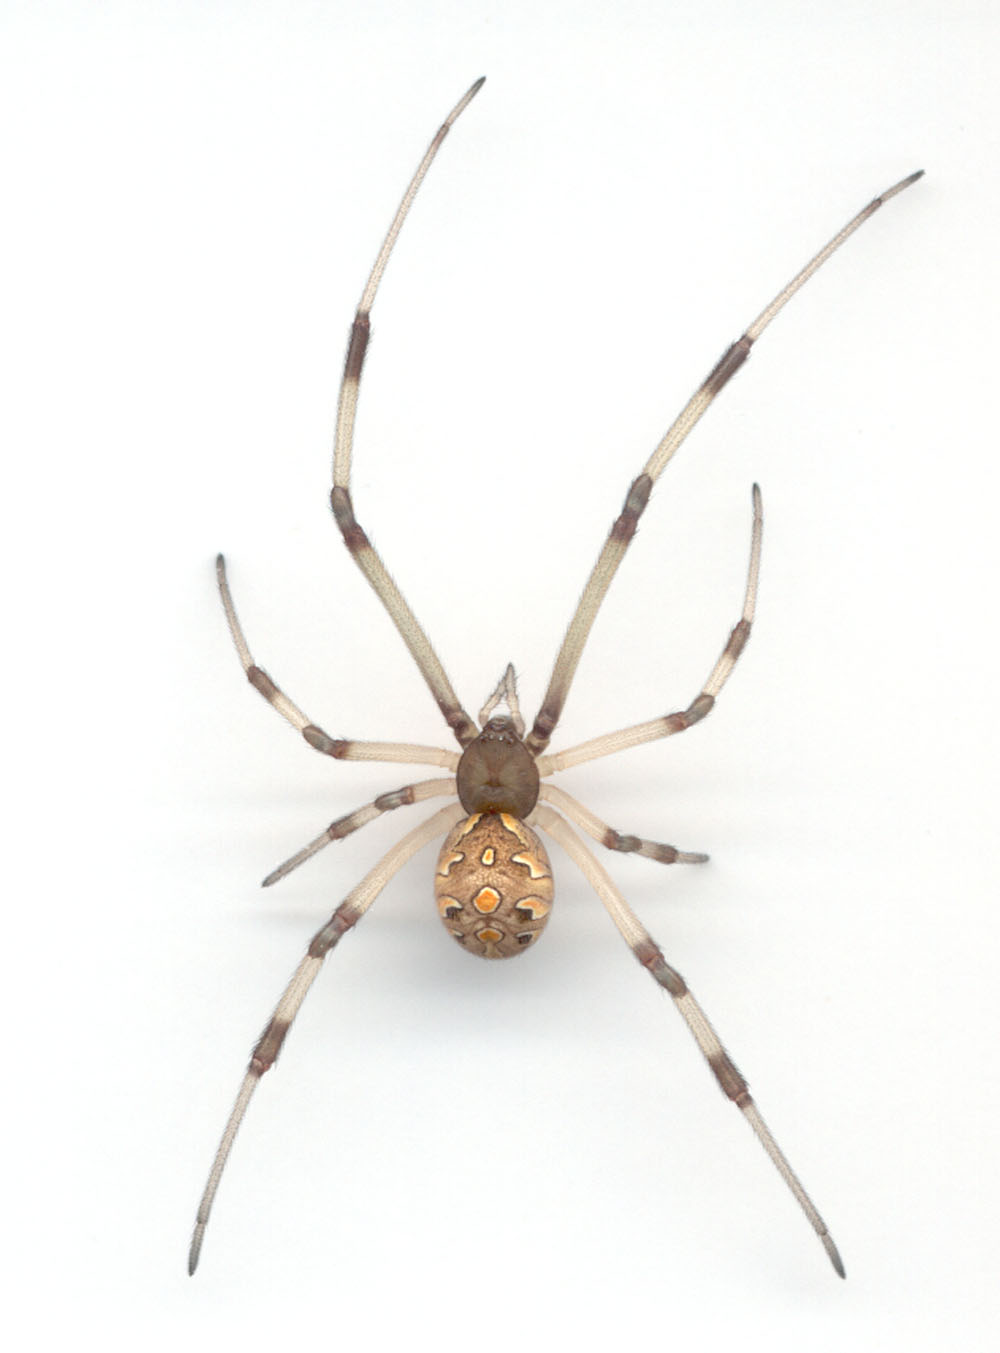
pixel 704 701
pixel 732 1084
pixel 607 836
pixel 344 826
pixel 624 527
pixel 357 542
pixel 342 749
pixel 265 1054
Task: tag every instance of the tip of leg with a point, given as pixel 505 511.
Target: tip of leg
pixel 194 1254
pixel 834 1254
pixel 903 183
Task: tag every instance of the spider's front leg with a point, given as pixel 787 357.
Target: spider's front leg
pixel 624 527
pixel 355 538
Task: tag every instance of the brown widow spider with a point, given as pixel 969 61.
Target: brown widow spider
pixel 493 881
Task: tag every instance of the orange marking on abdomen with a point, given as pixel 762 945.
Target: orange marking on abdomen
pixel 486 900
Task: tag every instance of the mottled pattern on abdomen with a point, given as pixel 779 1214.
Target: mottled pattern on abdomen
pixel 493 885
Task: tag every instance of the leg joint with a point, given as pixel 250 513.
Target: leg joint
pixel 339 924
pixel 727 365
pixel 395 798
pixel 738 639
pixel 357 347
pixel 260 681
pixel 733 1085
pixel 698 708
pixel 322 742
pixel 343 513
pixel 617 841
pixel 636 499
pixel 265 1054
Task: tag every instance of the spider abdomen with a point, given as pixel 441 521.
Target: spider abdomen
pixel 493 885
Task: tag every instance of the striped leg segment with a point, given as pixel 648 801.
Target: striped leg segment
pixel 731 1082
pixel 607 836
pixel 624 527
pixel 265 1054
pixel 344 826
pixel 355 538
pixel 704 701
pixel 341 749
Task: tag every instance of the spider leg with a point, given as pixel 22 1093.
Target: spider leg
pixel 344 826
pixel 265 1053
pixel 357 542
pixel 342 749
pixel 703 702
pixel 624 527
pixel 641 943
pixel 607 836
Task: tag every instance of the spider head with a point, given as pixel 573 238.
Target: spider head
pixel 497 773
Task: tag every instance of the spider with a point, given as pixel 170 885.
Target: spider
pixel 493 881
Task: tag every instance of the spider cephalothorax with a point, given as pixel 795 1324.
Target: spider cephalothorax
pixel 497 773
pixel 493 881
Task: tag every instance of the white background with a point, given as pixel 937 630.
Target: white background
pixel 478 1154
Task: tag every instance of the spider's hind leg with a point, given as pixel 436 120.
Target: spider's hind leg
pixel 730 1081
pixel 269 1045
